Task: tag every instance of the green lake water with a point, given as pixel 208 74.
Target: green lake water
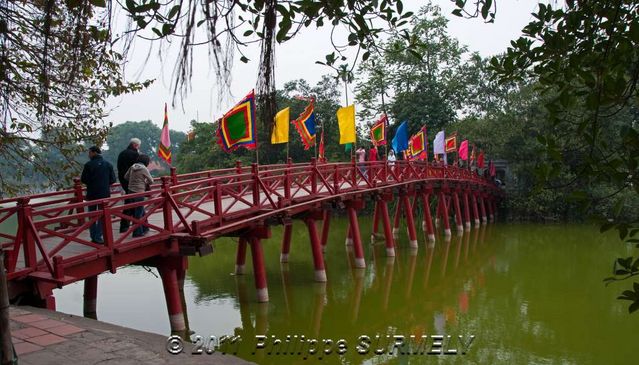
pixel 530 294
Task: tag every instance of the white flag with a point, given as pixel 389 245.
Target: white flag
pixel 438 143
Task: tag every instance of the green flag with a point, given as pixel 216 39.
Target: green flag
pixel 348 147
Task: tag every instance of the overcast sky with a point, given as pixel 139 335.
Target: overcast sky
pixel 294 60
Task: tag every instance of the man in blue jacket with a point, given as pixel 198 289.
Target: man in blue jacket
pixel 98 176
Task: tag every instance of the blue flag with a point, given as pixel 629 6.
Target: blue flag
pixel 400 141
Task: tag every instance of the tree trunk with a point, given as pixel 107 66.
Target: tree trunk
pixel 5 334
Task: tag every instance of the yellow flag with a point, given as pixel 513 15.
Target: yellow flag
pixel 346 121
pixel 280 130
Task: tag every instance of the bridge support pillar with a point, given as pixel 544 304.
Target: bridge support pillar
pixel 410 221
pixel 349 236
pixel 375 222
pixel 90 297
pixel 286 242
pixel 475 210
pixel 357 238
pixel 458 216
pixel 326 226
pixel 398 217
pixel 444 212
pixel 168 268
pixel 428 220
pixel 181 276
pixel 466 211
pixel 259 270
pixel 318 258
pixel 484 220
pixel 388 232
pixel 240 258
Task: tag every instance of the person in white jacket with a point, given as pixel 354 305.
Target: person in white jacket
pixel 391 158
pixel 139 178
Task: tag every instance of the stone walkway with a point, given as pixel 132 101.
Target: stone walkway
pixel 43 337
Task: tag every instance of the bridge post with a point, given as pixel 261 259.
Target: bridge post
pixel 107 232
pixel 286 242
pixel 466 210
pixel 240 258
pixel 313 176
pixel 167 210
pixel 256 186
pixel 428 220
pixel 174 180
pixel 326 224
pixel 259 270
pixel 79 197
pixel 336 178
pixel 287 181
pixel 29 247
pixel 388 232
pixel 357 238
pixel 458 216
pixel 475 210
pixel 444 212
pixel 318 257
pixel 396 220
pixel 168 268
pixel 90 297
pixel 354 168
pixel 410 221
pixel 483 208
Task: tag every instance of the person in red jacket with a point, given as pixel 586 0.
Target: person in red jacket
pixel 372 157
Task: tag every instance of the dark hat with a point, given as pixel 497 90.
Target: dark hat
pixel 95 149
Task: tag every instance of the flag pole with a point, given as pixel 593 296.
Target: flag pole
pixel 257 144
pixel 354 146
pixel 386 120
pixel 257 147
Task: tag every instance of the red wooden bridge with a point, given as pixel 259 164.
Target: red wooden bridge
pixel 51 248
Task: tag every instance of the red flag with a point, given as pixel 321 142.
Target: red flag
pixel 480 160
pixel 164 149
pixel 491 168
pixel 463 150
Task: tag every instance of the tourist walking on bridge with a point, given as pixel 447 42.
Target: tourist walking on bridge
pixel 98 176
pixel 391 158
pixel 360 154
pixel 140 180
pixel 126 159
pixel 372 157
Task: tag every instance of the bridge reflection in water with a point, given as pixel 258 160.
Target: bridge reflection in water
pixel 418 292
